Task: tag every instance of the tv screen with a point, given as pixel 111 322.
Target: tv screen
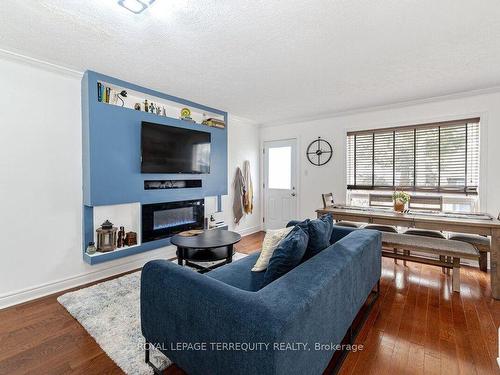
pixel 168 149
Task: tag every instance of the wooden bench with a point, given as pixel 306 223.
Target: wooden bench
pixel 449 251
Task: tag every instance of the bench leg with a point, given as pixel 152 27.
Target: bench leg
pixel 483 261
pixel 405 252
pixel 395 252
pixel 456 275
pixel 442 259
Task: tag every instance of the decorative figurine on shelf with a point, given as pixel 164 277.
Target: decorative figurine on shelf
pixel 119 96
pixel 120 242
pixel 211 223
pixel 158 110
pixel 163 111
pixel 91 249
pixel 137 106
pixel 131 239
pixel 186 114
pixel 152 108
pixel 106 237
pixel 146 105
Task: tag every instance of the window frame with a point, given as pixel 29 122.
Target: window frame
pixel 352 154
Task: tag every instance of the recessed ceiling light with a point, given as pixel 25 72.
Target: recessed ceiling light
pixel 135 6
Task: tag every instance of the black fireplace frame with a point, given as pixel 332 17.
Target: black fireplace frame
pixel 150 234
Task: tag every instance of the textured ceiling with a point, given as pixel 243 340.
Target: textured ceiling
pixel 270 60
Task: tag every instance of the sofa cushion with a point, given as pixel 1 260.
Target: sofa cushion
pixel 320 232
pixel 304 225
pixel 238 274
pixel 340 232
pixel 287 255
pixel 271 241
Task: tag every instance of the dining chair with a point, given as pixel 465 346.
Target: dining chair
pixel 426 203
pixel 329 202
pixel 380 200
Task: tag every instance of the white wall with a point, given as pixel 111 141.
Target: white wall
pixel 243 144
pixel 314 181
pixel 41 183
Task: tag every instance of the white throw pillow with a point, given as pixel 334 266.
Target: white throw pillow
pixel 270 243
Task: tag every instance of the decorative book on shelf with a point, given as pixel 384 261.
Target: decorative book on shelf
pixel 214 122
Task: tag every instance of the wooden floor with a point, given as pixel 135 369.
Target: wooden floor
pixel 417 326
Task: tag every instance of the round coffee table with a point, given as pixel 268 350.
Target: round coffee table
pixel 209 246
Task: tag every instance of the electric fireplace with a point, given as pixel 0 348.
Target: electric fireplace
pixel 163 220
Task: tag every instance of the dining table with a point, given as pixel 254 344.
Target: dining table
pixel 471 223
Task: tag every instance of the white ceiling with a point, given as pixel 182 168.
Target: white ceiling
pixel 270 60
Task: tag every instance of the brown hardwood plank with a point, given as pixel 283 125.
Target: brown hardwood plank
pixel 400 355
pixel 416 354
pixel 100 364
pixel 488 332
pixel 479 352
pixel 385 341
pixel 368 328
pixel 250 244
pixel 416 359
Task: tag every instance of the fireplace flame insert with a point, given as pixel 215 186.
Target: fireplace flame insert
pixel 163 220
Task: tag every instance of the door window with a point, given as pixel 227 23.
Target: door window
pixel 280 167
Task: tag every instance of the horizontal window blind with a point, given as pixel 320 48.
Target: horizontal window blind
pixel 439 157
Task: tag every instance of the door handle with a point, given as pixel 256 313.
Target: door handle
pixel 293 194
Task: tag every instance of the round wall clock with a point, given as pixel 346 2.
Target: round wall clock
pixel 319 152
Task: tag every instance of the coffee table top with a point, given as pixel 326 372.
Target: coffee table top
pixel 207 240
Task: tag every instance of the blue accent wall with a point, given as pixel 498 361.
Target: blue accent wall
pixel 112 157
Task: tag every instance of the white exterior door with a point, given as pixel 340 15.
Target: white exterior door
pixel 280 181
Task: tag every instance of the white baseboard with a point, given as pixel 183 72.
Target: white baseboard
pixel 24 295
pixel 247 231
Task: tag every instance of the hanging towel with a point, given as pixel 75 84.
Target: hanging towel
pixel 239 192
pixel 248 196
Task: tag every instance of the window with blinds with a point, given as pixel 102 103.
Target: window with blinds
pixel 440 157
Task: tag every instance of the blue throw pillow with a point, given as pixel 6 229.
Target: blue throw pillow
pixel 304 225
pixel 319 231
pixel 287 255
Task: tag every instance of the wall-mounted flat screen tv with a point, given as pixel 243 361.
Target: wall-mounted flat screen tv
pixel 169 149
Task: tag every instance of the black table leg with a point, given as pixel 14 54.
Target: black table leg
pixel 180 256
pixel 229 258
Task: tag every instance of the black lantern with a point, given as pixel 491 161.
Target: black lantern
pixel 106 237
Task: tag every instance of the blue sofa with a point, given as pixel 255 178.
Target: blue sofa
pixel 187 314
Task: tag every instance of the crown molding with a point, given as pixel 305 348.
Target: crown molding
pixel 384 107
pixel 13 56
pixel 243 119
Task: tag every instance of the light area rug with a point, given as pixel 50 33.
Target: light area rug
pixel 110 313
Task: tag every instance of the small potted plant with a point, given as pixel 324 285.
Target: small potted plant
pixel 400 199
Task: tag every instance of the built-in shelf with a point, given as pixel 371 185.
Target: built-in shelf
pixel 136 100
pixel 125 251
pixel 171 184
pixel 98 254
pixel 111 141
